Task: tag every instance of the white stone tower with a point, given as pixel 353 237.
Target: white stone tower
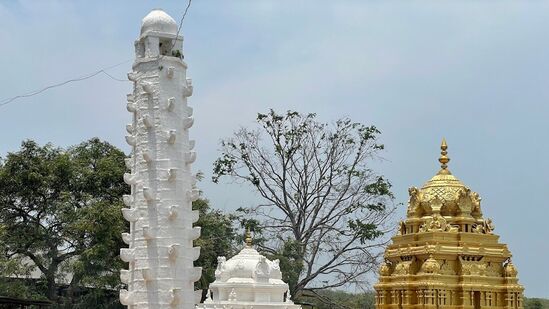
pixel 161 253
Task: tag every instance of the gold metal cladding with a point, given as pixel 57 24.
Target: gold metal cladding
pixel 443 158
pixel 445 253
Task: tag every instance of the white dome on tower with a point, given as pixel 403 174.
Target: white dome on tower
pixel 158 21
pixel 249 266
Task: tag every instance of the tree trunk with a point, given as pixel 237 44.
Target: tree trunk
pixel 51 292
pixel 72 289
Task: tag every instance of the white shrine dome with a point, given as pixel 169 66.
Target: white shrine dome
pixel 249 266
pixel 158 21
pixel 248 280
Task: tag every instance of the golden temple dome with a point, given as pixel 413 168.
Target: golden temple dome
pixel 445 254
pixel 444 178
pixel 443 194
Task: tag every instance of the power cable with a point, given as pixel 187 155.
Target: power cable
pixel 33 93
pixel 181 21
pixel 179 27
pixel 115 78
pixel 88 76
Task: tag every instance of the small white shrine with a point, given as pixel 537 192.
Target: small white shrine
pixel 248 281
pixel 160 251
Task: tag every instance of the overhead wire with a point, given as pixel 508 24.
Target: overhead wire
pixel 115 78
pixel 181 21
pixel 103 71
pixel 77 79
pixel 174 41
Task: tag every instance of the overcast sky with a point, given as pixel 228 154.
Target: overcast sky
pixel 475 72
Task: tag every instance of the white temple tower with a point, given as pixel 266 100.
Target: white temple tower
pixel 161 253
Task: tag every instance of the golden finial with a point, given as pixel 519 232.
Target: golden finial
pixel 248 237
pixel 443 158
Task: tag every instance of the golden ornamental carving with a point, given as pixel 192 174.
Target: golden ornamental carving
pixel 437 223
pixel 486 227
pixel 472 266
pixel 248 238
pixel 446 195
pixel 478 228
pixel 447 269
pixel 401 228
pixel 430 266
pixel 403 268
pixel 494 269
pixel 489 227
pixel 510 269
pixel 385 269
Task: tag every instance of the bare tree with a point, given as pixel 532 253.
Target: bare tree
pixel 325 209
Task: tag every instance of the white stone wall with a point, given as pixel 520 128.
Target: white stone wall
pixel 161 253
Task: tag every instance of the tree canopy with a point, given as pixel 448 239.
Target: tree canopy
pixel 324 208
pixel 535 303
pixel 60 214
pixel 60 210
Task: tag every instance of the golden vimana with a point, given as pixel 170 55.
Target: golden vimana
pixel 445 254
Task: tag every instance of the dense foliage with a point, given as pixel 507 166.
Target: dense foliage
pixel 217 239
pixel 60 217
pixel 60 213
pixel 536 303
pixel 336 299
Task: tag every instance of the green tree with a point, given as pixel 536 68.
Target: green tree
pixel 217 239
pixel 533 303
pixel 324 208
pixel 336 299
pixel 60 209
pixel 10 269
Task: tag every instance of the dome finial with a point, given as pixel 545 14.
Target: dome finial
pixel 443 158
pixel 160 22
pixel 248 237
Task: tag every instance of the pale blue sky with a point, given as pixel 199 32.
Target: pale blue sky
pixel 476 72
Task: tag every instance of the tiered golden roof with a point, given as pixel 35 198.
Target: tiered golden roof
pixel 445 254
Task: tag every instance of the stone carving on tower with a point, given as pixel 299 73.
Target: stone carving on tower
pixel 247 281
pixel 160 256
pixel 445 254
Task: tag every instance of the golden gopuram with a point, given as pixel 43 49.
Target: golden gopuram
pixel 445 254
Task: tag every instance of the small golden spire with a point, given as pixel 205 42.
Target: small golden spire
pixel 249 238
pixel 443 158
